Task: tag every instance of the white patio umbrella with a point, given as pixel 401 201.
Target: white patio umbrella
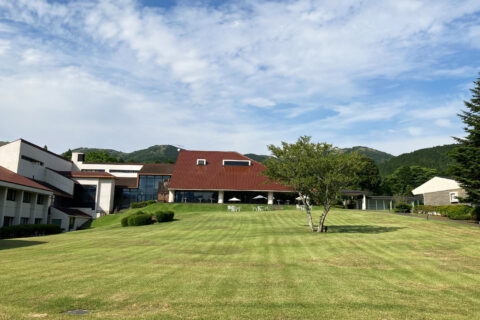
pixel 259 197
pixel 233 199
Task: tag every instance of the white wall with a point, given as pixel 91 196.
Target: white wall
pixel 79 166
pixel 436 184
pixel 10 155
pixel 59 181
pixel 104 196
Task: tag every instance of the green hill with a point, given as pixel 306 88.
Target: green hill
pixel 434 158
pixel 157 153
pixel 376 155
pixel 257 157
pixel 3 143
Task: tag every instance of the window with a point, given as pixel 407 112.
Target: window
pixel 58 222
pixel 11 195
pixel 93 170
pixel 201 162
pixel 23 220
pixel 81 157
pixel 32 160
pixel 38 220
pixel 453 197
pixel 7 221
pixel 123 171
pixel 27 197
pixel 71 223
pixel 40 199
pixel 84 196
pixel 238 163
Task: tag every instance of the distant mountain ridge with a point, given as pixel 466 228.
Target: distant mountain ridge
pixel 434 157
pixel 157 153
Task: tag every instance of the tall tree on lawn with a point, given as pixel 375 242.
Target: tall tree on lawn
pixel 466 168
pixel 316 171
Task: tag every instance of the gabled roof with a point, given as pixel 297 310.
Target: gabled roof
pixel 187 175
pixel 437 184
pixel 12 177
pixel 86 174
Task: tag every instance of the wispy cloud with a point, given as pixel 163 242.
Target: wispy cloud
pixel 241 74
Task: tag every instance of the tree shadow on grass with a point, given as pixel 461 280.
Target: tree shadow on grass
pixel 361 229
pixel 13 244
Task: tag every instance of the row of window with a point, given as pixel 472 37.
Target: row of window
pixel 27 197
pixel 8 221
pixel 35 161
pixel 236 163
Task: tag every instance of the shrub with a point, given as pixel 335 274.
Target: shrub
pixel 136 205
pixel 475 213
pixel 455 212
pixel 403 207
pixel 164 216
pixel 29 230
pixel 124 221
pixel 140 219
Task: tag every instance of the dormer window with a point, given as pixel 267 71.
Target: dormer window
pixel 237 163
pixel 201 162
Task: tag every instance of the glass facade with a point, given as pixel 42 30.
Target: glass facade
pixel 196 196
pixel 150 187
pixel 84 196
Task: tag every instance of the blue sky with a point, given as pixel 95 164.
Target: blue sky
pixel 236 75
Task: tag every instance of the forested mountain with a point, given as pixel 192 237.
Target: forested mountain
pixel 433 158
pixel 157 153
pixel 3 142
pixel 376 155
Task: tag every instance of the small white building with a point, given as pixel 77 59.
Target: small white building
pixel 440 191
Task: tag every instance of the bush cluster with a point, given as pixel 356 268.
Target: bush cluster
pixel 29 230
pixel 454 212
pixel 140 218
pixel 136 205
pixel 402 207
pixel 137 219
pixel 164 216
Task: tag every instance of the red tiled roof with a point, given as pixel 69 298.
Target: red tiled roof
pixel 86 174
pixel 11 177
pixel 187 175
pixel 73 212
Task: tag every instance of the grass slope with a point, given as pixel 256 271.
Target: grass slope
pixel 222 265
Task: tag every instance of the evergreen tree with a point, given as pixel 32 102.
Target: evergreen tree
pixel 466 168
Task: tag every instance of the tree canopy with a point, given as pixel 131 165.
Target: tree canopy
pixel 317 171
pixel 406 178
pixel 466 168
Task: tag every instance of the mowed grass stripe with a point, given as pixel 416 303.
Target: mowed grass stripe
pixel 249 265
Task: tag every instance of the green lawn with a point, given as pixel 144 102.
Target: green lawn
pixel 221 265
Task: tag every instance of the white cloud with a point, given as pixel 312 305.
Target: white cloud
pixel 206 76
pixel 259 102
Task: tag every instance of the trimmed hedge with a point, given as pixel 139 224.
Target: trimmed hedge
pixel 454 212
pixel 164 216
pixel 402 207
pixel 136 205
pixel 140 219
pixel 29 230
